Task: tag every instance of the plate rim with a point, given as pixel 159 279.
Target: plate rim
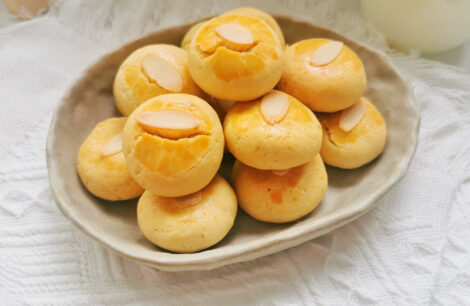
pixel 269 246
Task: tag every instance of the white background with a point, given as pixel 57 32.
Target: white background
pixel 412 249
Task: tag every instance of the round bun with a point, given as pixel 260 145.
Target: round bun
pixel 133 86
pixel 283 196
pixel 359 146
pixel 191 223
pixel 331 87
pixel 290 142
pixel 268 19
pixel 173 160
pixel 241 64
pixel 106 177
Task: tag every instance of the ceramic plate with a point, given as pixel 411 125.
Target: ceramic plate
pixel 350 193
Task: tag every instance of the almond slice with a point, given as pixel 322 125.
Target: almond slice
pixel 162 73
pixel 274 106
pixel 280 172
pixel 235 33
pixel 352 115
pixel 170 120
pixel 326 53
pixel 113 146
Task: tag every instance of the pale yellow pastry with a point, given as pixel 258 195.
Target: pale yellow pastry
pixel 151 71
pixel 101 164
pixel 235 57
pixel 191 223
pixel 280 196
pixel 351 144
pixel 254 12
pixel 325 75
pixel 274 132
pixel 173 144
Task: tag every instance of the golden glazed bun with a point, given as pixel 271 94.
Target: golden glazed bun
pixel 173 144
pixel 152 71
pixel 191 223
pixel 235 57
pixel 101 164
pixel 292 138
pixel 280 196
pixel 357 147
pixel 319 79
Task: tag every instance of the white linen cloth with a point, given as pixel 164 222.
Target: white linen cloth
pixel 412 249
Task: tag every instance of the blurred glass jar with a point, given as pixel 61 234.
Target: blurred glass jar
pixel 429 25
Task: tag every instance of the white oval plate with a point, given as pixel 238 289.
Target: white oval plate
pixel 350 193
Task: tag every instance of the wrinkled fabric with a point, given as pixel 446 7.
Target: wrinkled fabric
pixel 413 248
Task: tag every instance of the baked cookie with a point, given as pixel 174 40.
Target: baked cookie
pixel 173 144
pixel 151 71
pixel 325 75
pixel 101 164
pixel 235 57
pixel 274 132
pixel 190 223
pixel 353 137
pixel 280 196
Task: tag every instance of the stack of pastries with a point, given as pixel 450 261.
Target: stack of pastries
pixel 233 86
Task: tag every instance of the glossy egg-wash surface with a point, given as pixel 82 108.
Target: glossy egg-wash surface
pixel 349 195
pixel 191 223
pixel 292 141
pixel 357 147
pixel 174 163
pixel 221 67
pixel 106 177
pixel 132 86
pixel 331 87
pixel 275 197
pixel 268 19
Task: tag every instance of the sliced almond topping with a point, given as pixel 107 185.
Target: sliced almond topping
pixel 352 115
pixel 280 172
pixel 226 105
pixel 326 53
pixel 162 73
pixel 113 146
pixel 235 33
pixel 170 120
pixel 274 106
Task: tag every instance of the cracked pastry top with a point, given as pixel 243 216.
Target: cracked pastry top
pixel 101 164
pixel 235 57
pixel 274 132
pixel 254 12
pixel 350 146
pixel 325 75
pixel 151 71
pixel 173 144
